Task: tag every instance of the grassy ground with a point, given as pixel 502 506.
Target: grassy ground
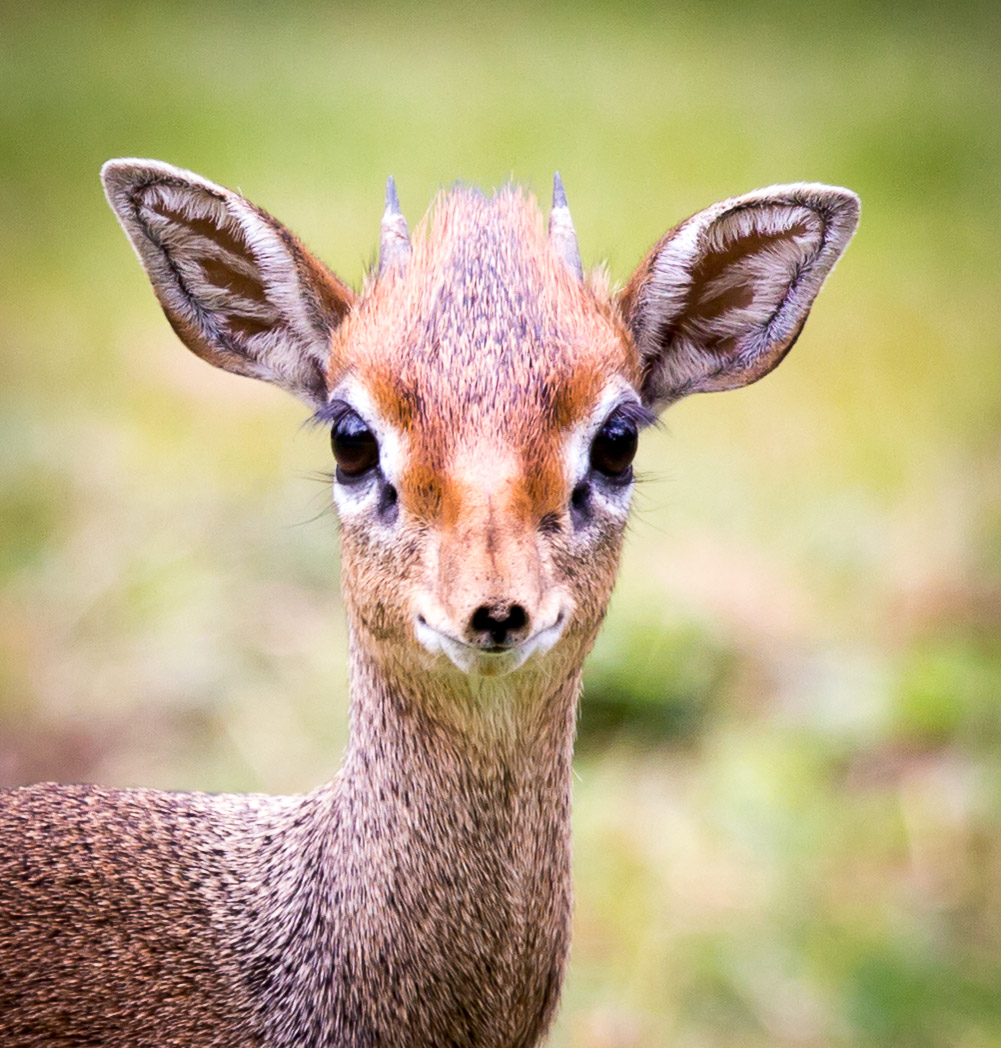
pixel 789 795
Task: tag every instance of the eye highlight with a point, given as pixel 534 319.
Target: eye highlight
pixel 614 446
pixel 355 448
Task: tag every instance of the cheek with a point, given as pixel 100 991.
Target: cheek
pixel 378 579
pixel 587 566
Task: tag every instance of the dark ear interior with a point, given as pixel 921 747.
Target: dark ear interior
pixel 238 288
pixel 721 298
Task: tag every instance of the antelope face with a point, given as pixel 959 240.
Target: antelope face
pixel 484 415
pixel 483 401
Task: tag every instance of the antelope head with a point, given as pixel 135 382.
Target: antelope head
pixel 484 401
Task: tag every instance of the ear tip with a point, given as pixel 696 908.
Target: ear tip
pixel 844 208
pixel 845 200
pixel 840 207
pixel 116 175
pixel 851 204
pixel 119 178
pixel 121 173
pixel 121 169
pixel 843 203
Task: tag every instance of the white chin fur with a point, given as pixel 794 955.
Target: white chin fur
pixel 477 663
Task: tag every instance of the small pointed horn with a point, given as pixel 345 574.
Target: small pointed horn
pixel 394 242
pixel 562 234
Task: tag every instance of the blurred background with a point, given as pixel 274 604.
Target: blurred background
pixel 788 795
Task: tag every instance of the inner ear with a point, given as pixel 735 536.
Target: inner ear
pixel 715 279
pixel 237 286
pixel 727 282
pixel 214 228
pixel 225 274
pixel 722 298
pixel 218 275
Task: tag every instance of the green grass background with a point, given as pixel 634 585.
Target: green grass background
pixel 788 796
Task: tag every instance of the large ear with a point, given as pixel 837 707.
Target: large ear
pixel 238 288
pixel 721 298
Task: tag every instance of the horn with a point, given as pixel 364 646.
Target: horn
pixel 394 241
pixel 562 235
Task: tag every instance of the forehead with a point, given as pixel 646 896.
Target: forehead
pixel 486 328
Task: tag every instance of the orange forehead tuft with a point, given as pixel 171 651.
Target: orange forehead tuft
pixel 486 332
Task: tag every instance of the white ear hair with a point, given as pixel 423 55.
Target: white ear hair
pixel 239 289
pixel 724 295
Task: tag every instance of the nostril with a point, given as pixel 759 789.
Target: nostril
pixel 499 621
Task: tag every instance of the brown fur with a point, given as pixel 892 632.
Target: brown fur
pixel 422 898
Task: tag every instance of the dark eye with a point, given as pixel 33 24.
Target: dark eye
pixel 355 447
pixel 614 447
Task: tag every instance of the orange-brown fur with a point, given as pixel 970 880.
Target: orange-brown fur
pixel 498 386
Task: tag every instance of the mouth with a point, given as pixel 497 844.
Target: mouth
pixel 494 660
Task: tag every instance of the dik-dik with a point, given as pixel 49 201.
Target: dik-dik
pixel 484 399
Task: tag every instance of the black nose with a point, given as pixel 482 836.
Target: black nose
pixel 498 624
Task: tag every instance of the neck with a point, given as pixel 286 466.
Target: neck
pixel 448 857
pixel 448 723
